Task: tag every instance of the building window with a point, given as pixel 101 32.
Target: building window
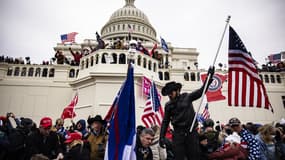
pixel 266 78
pixel 166 76
pixel 261 77
pixel 144 63
pixel 51 72
pixel 17 71
pixel 198 76
pixel 91 61
pixel 278 79
pixel 139 60
pixel 87 63
pixel 38 72
pixel 186 76
pixel 10 71
pixel 24 71
pixel 122 58
pixel 149 65
pixel 104 56
pixel 45 72
pixel 193 76
pixel 31 72
pixel 160 75
pixel 154 67
pixel 97 59
pixel 71 73
pixel 114 58
pixel 272 79
pixel 82 65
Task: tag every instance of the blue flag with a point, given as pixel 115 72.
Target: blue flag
pixel 164 45
pixel 122 137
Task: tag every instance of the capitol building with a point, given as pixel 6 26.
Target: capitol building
pixel 35 91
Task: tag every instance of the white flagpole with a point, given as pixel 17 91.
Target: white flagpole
pixel 207 81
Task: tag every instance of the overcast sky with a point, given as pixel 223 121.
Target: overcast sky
pixel 33 27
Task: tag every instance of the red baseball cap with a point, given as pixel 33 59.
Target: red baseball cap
pixel 73 136
pixel 46 122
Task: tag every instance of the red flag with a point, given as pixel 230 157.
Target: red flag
pixel 68 112
pixel 245 86
pixel 153 113
pixel 153 49
pixel 214 92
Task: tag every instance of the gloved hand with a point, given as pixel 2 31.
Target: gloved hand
pixel 162 142
pixel 211 70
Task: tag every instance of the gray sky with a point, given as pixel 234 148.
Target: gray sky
pixel 33 27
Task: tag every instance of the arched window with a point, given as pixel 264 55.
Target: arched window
pixel 71 73
pixel 193 76
pixel 154 67
pixel 266 78
pixel 149 65
pixel 123 27
pixel 278 79
pixel 104 56
pixel 10 71
pixel 77 71
pixel 160 75
pixel 118 27
pixel 144 62
pixel 24 71
pixel 31 72
pixel 38 72
pixel 272 79
pixel 261 77
pixel 17 71
pixel 51 72
pixel 139 60
pixel 122 58
pixel 45 72
pixel 186 76
pixel 97 59
pixel 114 58
pixel 91 61
pixel 166 76
pixel 198 76
pixel 82 65
pixel 87 63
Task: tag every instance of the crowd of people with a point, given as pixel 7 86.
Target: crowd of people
pixel 21 138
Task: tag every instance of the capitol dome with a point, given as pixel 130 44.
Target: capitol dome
pixel 126 19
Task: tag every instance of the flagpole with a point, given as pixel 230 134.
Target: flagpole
pixel 207 81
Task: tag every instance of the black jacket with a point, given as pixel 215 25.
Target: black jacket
pixel 180 111
pixel 48 146
pixel 143 153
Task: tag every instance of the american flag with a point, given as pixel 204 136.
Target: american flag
pixel 70 37
pixel 245 86
pixel 274 58
pixel 153 113
pixel 205 113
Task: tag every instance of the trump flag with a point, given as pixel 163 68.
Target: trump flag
pixel 122 137
pixel 214 92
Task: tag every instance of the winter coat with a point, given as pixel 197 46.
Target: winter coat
pixel 158 152
pixel 97 145
pixel 143 153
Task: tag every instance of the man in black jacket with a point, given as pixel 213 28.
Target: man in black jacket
pixel 179 110
pixel 144 140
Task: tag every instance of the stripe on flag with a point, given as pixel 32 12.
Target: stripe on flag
pixel 245 86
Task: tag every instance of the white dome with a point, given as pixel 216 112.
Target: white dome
pixel 125 18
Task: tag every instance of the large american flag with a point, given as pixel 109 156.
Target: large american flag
pixel 70 37
pixel 153 113
pixel 245 86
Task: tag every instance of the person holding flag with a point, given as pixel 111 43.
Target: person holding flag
pixel 180 112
